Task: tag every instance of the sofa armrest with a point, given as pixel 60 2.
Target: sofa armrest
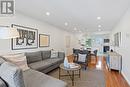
pixel 61 55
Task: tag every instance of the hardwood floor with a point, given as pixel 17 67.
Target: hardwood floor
pixel 113 78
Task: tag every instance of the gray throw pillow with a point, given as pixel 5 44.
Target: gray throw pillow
pixel 33 57
pixel 12 75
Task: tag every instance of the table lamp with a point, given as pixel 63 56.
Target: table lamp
pixel 8 32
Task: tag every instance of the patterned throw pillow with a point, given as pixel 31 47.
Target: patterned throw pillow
pixel 1 60
pixel 82 57
pixel 12 75
pixel 54 54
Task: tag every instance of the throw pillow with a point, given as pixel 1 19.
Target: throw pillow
pixel 12 75
pixel 14 55
pixel 54 54
pixel 1 60
pixel 82 57
pixel 20 60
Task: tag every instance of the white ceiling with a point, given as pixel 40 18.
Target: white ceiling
pixel 81 14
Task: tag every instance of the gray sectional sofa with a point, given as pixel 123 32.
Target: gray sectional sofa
pixel 42 61
pixel 37 61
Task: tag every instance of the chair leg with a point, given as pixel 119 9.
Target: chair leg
pixel 96 58
pixel 85 67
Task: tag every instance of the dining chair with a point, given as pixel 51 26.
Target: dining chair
pixel 82 60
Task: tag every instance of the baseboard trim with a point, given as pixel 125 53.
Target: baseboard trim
pixel 124 76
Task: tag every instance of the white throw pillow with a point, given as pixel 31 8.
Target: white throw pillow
pixel 82 57
pixel 19 59
pixel 54 54
pixel 12 75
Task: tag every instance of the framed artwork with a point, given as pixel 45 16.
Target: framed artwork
pixel 28 38
pixel 117 39
pixel 44 40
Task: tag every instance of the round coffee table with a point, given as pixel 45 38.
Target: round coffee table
pixel 72 75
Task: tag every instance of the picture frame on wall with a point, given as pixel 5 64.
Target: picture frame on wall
pixel 117 39
pixel 44 40
pixel 28 38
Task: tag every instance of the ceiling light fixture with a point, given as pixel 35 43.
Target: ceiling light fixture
pixel 99 25
pixel 66 24
pixel 48 13
pixel 75 28
pixel 99 29
pixel 98 18
pixel 80 31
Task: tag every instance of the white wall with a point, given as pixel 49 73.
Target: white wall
pixel 124 27
pixel 57 36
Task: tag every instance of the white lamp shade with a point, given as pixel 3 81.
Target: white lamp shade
pixel 7 33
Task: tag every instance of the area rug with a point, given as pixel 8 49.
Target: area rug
pixel 89 78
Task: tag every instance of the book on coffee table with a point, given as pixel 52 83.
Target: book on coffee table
pixel 73 65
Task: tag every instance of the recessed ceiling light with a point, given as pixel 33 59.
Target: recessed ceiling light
pixel 99 25
pixel 98 18
pixel 99 29
pixel 66 24
pixel 80 31
pixel 75 28
pixel 48 13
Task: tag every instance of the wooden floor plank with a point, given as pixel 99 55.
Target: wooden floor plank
pixel 113 78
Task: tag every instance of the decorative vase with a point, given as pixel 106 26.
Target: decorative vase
pixel 66 64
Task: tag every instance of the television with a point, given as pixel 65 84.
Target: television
pixel 106 40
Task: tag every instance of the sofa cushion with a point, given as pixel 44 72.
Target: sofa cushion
pixel 33 57
pixel 39 65
pixel 53 61
pixel 46 54
pixel 61 54
pixel 12 75
pixel 34 78
pixel 2 83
